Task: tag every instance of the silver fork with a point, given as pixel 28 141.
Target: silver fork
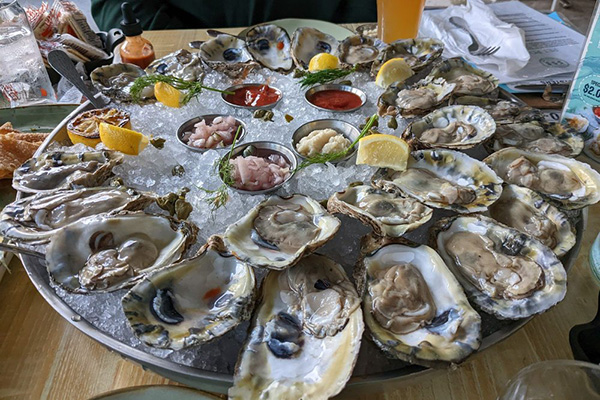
pixel 475 48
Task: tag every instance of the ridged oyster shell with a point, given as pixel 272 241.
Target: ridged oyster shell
pixel 282 358
pixel 37 218
pixel 389 214
pixel 529 278
pixel 109 252
pixel 115 81
pixel 360 51
pixel 308 42
pixel 180 64
pixel 444 179
pixel 270 45
pixel 414 307
pixel 525 210
pixel 468 79
pixel 193 301
pixel 415 100
pixel 279 231
pixel 452 127
pixel 571 183
pixel 64 170
pixel 503 111
pixel 227 54
pixel 418 53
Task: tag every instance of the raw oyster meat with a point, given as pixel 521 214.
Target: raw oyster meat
pixel 282 357
pixel 279 231
pixel 414 307
pixel 389 214
pixel 270 45
pixel 571 183
pixel 452 127
pixel 227 54
pixel 308 42
pixel 543 137
pixel 62 170
pixel 360 51
pixel 36 218
pixel 525 210
pixel 504 271
pixel 109 252
pixel 417 53
pixel 193 301
pixel 412 101
pixel 468 79
pixel 180 64
pixel 115 81
pixel 444 179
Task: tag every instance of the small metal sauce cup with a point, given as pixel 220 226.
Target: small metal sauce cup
pixel 264 149
pixel 349 131
pixel 245 85
pixel 188 126
pixel 345 88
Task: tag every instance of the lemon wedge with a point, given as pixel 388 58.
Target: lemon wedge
pixel 122 139
pixel 392 71
pixel 323 61
pixel 384 151
pixel 167 94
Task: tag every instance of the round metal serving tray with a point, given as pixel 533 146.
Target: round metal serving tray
pixel 220 382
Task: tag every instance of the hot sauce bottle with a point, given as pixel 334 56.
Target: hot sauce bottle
pixel 135 50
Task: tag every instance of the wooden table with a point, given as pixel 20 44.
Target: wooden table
pixel 43 357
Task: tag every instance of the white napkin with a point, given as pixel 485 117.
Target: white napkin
pixel 487 29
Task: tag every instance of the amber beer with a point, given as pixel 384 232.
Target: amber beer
pixel 398 19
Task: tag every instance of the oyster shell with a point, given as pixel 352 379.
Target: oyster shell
pixel 270 45
pixel 452 127
pixel 444 179
pixel 180 64
pixel 61 170
pixel 279 231
pixel 543 137
pixel 360 51
pixel 109 252
pixel 193 301
pixel 503 111
pixel 308 42
pixel 418 53
pixel 525 210
pixel 411 101
pixel 37 218
pixel 504 271
pixel 468 79
pixel 115 81
pixel 571 183
pixel 282 358
pixel 389 214
pixel 414 307
pixel 227 54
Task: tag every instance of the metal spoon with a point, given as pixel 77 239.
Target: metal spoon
pixel 60 61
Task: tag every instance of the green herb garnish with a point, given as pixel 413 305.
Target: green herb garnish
pixel 220 195
pixel 323 158
pixel 324 76
pixel 192 89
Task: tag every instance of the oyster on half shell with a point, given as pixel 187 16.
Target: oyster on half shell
pixel 227 54
pixel 283 358
pixel 308 42
pixel 115 81
pixel 180 64
pixel 414 307
pixel 193 301
pixel 360 51
pixel 279 231
pixel 417 53
pixel 468 79
pixel 270 45
pixel 504 271
pixel 389 214
pixel 415 100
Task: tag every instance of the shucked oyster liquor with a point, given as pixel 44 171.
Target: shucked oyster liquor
pixel 504 271
pixel 413 306
pixel 108 252
pixel 279 231
pixel 193 301
pixel 305 335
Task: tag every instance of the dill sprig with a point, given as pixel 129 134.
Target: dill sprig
pixel 324 76
pixel 192 89
pixel 323 158
pixel 220 196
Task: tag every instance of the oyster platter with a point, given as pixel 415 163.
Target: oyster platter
pixel 231 255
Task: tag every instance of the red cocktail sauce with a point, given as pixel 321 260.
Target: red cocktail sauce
pixel 254 96
pixel 336 100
